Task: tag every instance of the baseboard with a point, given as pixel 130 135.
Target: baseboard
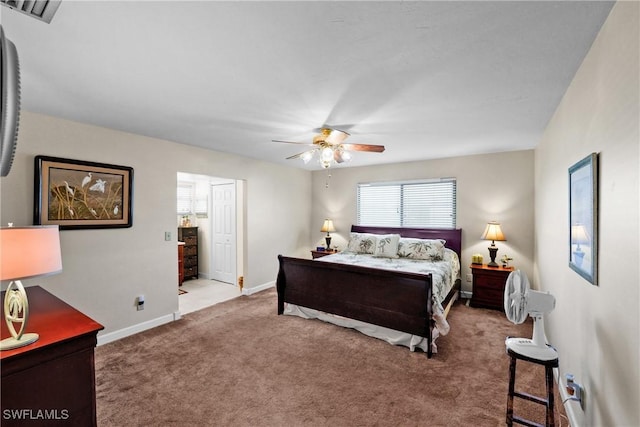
pixel 253 290
pixel 131 330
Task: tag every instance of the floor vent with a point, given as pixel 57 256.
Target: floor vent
pixel 39 9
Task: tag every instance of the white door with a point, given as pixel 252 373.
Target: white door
pixel 223 253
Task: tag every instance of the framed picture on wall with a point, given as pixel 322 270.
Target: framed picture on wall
pixel 76 194
pixel 583 218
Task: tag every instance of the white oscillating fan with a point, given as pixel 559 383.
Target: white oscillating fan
pixel 519 301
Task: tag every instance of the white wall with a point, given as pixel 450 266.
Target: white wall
pixel 490 187
pixel 596 328
pixel 105 270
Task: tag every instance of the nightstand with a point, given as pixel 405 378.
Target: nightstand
pixel 318 254
pixel 488 286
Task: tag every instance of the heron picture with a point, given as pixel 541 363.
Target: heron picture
pixel 81 194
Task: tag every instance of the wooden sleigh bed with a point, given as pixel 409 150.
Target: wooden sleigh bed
pixel 400 301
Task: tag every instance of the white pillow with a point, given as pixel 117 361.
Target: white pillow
pixel 387 246
pixel 432 250
pixel 362 243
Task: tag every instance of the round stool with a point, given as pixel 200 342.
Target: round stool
pixel 548 402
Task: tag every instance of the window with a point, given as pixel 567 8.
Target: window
pixel 429 203
pixel 186 194
pixel 190 202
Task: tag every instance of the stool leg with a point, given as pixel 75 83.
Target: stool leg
pixel 550 406
pixel 512 386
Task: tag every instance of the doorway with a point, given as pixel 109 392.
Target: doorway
pixel 216 209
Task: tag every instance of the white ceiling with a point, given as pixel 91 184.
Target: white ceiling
pixel 425 79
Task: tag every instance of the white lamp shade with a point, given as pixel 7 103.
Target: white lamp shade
pixel 27 252
pixel 326 154
pixel 493 232
pixel 579 234
pixel 327 227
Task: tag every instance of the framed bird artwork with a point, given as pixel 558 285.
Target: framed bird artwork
pixel 81 194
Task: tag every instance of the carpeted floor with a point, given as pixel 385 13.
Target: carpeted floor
pixel 238 363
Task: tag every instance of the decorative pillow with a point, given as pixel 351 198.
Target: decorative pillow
pixel 387 246
pixel 362 243
pixel 432 250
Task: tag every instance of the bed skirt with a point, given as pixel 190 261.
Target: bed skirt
pixel 391 336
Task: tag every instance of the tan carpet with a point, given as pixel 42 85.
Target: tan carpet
pixel 238 363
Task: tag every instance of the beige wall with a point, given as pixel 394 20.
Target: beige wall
pixel 490 187
pixel 596 328
pixel 105 270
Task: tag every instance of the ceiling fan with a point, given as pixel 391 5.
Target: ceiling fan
pixel 330 146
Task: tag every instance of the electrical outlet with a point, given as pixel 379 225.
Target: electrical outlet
pixel 140 303
pixel 469 277
pixel 574 390
pixel 167 236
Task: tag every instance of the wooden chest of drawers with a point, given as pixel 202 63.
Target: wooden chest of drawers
pixel 488 286
pixel 189 235
pixel 56 374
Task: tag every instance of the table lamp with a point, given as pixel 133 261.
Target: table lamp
pixel 326 228
pixel 493 232
pixel 25 252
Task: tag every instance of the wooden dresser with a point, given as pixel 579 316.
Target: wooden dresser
pixel 189 235
pixel 52 381
pixel 488 286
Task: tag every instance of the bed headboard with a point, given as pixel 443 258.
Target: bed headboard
pixel 453 237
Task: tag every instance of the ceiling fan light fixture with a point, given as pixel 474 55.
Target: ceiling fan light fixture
pixel 326 154
pixel 330 148
pixel 340 155
pixel 307 156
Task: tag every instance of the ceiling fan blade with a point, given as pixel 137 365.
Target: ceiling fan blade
pixel 364 147
pixel 291 142
pixel 336 136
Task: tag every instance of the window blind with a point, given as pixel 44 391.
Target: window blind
pixel 429 203
pixel 185 198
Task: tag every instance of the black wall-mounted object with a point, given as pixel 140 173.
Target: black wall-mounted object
pixel 10 94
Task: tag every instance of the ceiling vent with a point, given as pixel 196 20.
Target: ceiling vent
pixel 39 9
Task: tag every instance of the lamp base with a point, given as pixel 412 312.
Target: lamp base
pixel 493 251
pixel 578 256
pixel 11 342
pixel 327 240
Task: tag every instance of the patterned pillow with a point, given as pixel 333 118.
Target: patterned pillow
pixel 362 243
pixel 387 246
pixel 432 250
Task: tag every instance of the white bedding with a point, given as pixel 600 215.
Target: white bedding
pixel 444 275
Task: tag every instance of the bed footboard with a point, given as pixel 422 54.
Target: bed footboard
pixel 395 300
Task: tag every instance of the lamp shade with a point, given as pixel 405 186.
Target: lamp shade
pixel 327 226
pixel 27 252
pixel 493 232
pixel 579 234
